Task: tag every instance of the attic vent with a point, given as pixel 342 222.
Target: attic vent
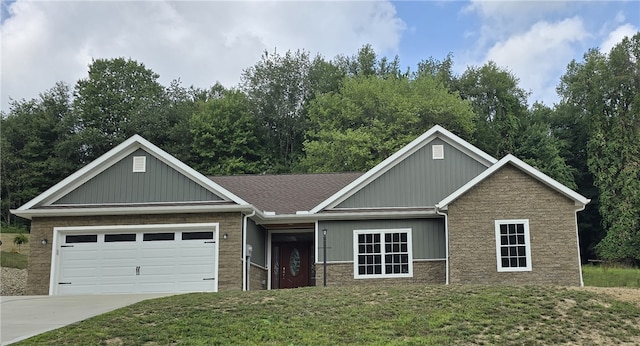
pixel 437 151
pixel 139 164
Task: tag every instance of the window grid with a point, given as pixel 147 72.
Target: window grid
pixel 383 253
pixel 512 245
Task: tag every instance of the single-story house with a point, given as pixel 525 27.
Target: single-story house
pixel 438 211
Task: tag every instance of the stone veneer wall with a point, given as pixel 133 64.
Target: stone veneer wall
pixel 258 278
pixel 512 194
pixel 230 249
pixel 341 274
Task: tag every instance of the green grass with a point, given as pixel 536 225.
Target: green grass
pixel 13 260
pixel 407 315
pixel 607 276
pixel 12 229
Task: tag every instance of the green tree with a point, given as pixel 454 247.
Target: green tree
pixel 33 157
pixel 118 99
pixel 371 117
pixel 224 135
pixel 604 90
pixel 499 104
pixel 505 124
pixel 367 63
pixel 279 88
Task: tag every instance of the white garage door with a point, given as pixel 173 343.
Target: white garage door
pixel 133 260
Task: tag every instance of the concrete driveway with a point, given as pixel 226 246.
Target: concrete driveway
pixel 22 317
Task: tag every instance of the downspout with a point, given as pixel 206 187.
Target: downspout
pixel 244 249
pixel 578 243
pixel 446 241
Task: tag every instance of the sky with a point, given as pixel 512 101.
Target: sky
pixel 204 42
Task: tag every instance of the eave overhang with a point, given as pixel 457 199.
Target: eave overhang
pixel 129 210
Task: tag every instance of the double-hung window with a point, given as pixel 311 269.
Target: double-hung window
pixel 382 253
pixel 513 248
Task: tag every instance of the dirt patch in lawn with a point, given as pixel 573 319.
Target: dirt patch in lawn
pixel 631 295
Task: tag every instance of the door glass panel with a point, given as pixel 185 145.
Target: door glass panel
pixel 85 238
pixel 294 262
pixel 110 238
pixel 275 275
pixel 158 236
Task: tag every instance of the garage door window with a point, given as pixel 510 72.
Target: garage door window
pixel 196 235
pixel 85 238
pixel 112 238
pixel 158 236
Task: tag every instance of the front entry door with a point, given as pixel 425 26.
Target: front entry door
pixel 290 265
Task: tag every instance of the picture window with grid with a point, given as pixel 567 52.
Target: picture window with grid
pixel 513 248
pixel 382 253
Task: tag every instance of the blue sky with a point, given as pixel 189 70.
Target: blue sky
pixel 202 42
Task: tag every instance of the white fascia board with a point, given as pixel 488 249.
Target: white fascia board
pixel 263 219
pixel 114 155
pixel 531 171
pixel 30 213
pixel 435 132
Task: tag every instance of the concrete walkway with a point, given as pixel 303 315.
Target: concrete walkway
pixel 22 317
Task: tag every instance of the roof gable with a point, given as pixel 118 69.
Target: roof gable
pixel 526 168
pixel 420 180
pixel 111 160
pixel 121 184
pixel 401 155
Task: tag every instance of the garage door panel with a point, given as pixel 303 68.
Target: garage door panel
pixel 196 286
pixel 158 254
pixel 117 288
pixel 200 251
pixel 120 253
pixel 125 263
pixel 200 269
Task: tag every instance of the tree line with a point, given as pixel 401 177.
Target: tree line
pixel 298 113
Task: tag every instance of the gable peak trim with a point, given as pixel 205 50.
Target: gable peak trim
pixel 526 168
pixel 117 153
pixel 436 131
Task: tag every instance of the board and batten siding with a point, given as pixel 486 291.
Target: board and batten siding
pixel 256 237
pixel 419 180
pixel 427 236
pixel 119 184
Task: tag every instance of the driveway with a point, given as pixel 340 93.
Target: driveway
pixel 22 317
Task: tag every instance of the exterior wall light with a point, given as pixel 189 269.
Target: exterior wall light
pixel 225 236
pixel 44 242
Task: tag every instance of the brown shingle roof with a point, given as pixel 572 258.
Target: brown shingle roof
pixel 288 193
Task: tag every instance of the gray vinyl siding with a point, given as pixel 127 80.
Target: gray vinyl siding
pixel 118 184
pixel 427 236
pixel 257 239
pixel 418 181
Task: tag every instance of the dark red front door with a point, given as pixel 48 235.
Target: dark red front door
pixel 290 265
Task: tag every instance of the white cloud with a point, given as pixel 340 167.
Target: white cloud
pixel 540 55
pixel 500 19
pixel 616 36
pixel 200 42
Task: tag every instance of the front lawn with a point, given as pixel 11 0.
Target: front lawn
pixel 13 260
pixel 607 276
pixel 409 314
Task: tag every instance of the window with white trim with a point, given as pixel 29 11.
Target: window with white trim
pixel 513 248
pixel 382 253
